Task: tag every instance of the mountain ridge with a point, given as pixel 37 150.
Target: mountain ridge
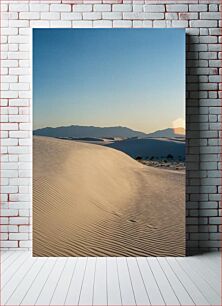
pixel 77 131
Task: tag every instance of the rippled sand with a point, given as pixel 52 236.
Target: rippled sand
pixel 90 200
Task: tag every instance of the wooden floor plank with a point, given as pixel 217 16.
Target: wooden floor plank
pixel 139 288
pixel 213 279
pixel 86 294
pixel 113 286
pixel 13 269
pixel 191 288
pixel 18 295
pixel 17 278
pixel 110 281
pixel 179 289
pixel 212 261
pixel 37 285
pixel 126 289
pixel 75 285
pixel 5 255
pixel 163 283
pixel 208 292
pixel 10 261
pixel 61 290
pixel 152 288
pixel 100 284
pixel 47 292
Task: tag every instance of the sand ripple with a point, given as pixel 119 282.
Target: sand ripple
pixel 90 200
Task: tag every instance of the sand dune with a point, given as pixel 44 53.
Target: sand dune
pixel 91 200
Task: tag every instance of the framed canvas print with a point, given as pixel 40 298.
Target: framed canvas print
pixel 109 142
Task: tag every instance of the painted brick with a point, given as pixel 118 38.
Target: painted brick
pixel 137 7
pixel 187 16
pixel 213 7
pixel 216 31
pixel 82 8
pixel 162 23
pixel 29 15
pixel 154 8
pixel 102 23
pixel 9 212
pixel 18 7
pixel 215 63
pixel 122 23
pixel 215 220
pixel 208 212
pixel 37 7
pixel 171 16
pixel 208 204
pixel 135 15
pixel 18 220
pixel 25 244
pixel 180 23
pixel 18 118
pixel 9 173
pixel 147 24
pixel 197 7
pixel 24 229
pixel 9 31
pixel 122 7
pixel 177 8
pixel 13 47
pixel 204 31
pixel 102 7
pixel 214 47
pixel 8 228
pixel 4 7
pixel 92 15
pixel 203 23
pixel 9 126
pixel 82 24
pixel 18 23
pixel 71 16
pixel 51 15
pixel 60 8
pixel 19 71
pixel 9 142
pixel 199 236
pixel 9 244
pixel 18 236
pixel 215 236
pixel 137 23
pixel 208 15
pixel 112 15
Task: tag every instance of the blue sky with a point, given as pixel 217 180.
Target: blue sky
pixel 109 77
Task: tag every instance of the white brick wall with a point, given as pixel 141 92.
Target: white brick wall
pixel 201 19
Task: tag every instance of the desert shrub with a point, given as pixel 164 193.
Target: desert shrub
pixel 169 156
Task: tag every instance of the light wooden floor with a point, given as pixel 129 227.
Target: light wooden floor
pixel 110 281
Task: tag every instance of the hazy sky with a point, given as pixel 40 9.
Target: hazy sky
pixel 109 77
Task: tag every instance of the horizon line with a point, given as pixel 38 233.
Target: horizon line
pixel 116 126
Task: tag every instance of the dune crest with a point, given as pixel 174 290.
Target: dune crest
pixel 91 200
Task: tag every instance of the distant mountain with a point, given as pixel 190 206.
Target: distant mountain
pixel 168 133
pixel 88 131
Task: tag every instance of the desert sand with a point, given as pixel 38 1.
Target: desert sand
pixel 92 200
